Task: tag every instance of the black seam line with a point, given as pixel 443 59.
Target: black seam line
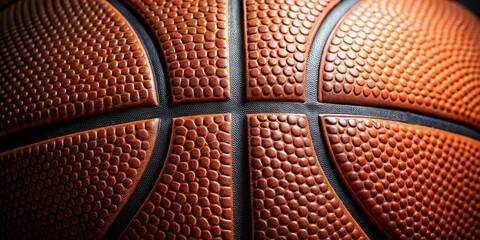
pixel 316 50
pixel 312 85
pixel 159 154
pixel 336 182
pixel 39 134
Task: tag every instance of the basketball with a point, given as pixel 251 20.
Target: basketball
pixel 248 119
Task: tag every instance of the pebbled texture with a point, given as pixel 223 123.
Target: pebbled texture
pixel 72 186
pixel 193 197
pixel 414 182
pixel 291 197
pixel 278 35
pixel 193 36
pixel 64 59
pixel 420 56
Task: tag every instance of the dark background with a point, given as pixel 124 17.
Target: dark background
pixel 473 5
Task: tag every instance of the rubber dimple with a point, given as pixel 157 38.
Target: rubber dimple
pixel 414 182
pixel 64 59
pixel 193 36
pixel 420 56
pixel 291 197
pixel 193 196
pixel 278 35
pixel 72 186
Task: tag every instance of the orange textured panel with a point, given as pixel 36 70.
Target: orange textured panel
pixel 73 186
pixel 278 38
pixel 193 36
pixel 63 59
pixel 422 56
pixel 291 197
pixel 414 182
pixel 193 197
